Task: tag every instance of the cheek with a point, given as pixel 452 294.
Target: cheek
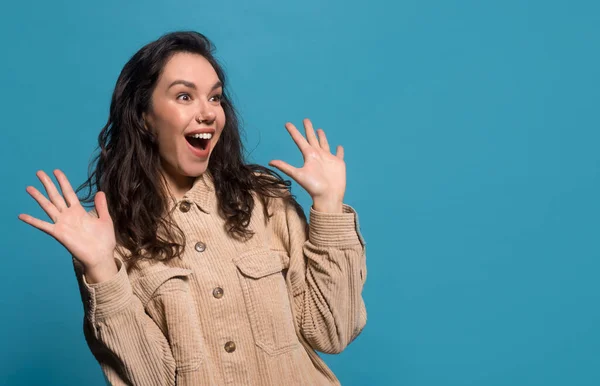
pixel 221 119
pixel 170 122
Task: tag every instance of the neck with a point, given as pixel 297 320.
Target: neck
pixel 177 185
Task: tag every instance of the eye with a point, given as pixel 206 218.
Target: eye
pixel 184 97
pixel 217 97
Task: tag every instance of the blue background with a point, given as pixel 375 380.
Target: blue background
pixel 471 133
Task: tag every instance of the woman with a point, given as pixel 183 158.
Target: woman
pixel 196 268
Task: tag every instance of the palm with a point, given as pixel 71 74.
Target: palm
pixel 84 235
pixel 323 173
pixel 88 238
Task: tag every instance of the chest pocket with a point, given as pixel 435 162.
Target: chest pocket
pixel 267 301
pixel 167 299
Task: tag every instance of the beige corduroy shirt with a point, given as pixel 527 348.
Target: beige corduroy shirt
pixel 231 312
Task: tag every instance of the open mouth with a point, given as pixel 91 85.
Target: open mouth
pixel 199 141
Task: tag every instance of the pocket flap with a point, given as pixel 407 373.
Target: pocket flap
pixel 259 262
pixel 146 286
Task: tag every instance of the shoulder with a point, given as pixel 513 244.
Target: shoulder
pixel 269 183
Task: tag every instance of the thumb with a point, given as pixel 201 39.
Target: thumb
pixel 284 167
pixel 340 152
pixel 101 206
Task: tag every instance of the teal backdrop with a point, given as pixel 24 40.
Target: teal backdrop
pixel 471 131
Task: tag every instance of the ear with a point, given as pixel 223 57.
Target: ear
pixel 147 123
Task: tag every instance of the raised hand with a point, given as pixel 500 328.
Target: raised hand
pixel 90 239
pixel 323 175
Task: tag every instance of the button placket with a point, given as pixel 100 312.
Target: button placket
pixel 200 246
pixel 218 292
pixel 230 346
pixel 185 206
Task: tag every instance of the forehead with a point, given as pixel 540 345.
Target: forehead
pixel 190 67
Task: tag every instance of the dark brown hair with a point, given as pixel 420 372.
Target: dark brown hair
pixel 127 166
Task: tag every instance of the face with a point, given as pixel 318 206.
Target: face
pixel 187 117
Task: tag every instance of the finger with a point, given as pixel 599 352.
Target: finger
pixel 101 206
pixel 284 167
pixel 39 224
pixel 66 188
pixel 323 140
pixel 298 138
pixel 53 193
pixel 340 152
pixel 310 133
pixel 46 205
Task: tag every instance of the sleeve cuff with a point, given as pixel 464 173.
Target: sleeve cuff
pixel 109 296
pixel 335 229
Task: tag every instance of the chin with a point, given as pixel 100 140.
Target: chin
pixel 196 170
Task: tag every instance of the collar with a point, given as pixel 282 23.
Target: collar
pixel 201 193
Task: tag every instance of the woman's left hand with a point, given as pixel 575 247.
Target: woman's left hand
pixel 323 174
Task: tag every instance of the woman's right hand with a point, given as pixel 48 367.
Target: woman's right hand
pixel 90 239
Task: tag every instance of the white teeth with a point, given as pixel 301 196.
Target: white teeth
pixel 203 135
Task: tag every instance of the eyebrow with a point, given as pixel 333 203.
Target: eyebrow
pixel 192 85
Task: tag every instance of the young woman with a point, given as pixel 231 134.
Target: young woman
pixel 196 268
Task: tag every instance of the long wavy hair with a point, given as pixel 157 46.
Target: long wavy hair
pixel 127 168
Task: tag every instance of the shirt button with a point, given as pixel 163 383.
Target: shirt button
pixel 218 292
pixel 230 347
pixel 200 246
pixel 184 206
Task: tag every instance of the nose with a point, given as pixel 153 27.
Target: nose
pixel 206 114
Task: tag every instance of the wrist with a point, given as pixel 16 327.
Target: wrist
pixel 101 272
pixel 328 205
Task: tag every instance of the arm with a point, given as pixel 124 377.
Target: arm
pixel 327 266
pixel 326 275
pixel 129 346
pixel 125 340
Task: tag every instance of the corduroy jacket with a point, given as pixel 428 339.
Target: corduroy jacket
pixel 230 312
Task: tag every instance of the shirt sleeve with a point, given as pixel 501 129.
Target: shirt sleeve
pixel 327 272
pixel 129 346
